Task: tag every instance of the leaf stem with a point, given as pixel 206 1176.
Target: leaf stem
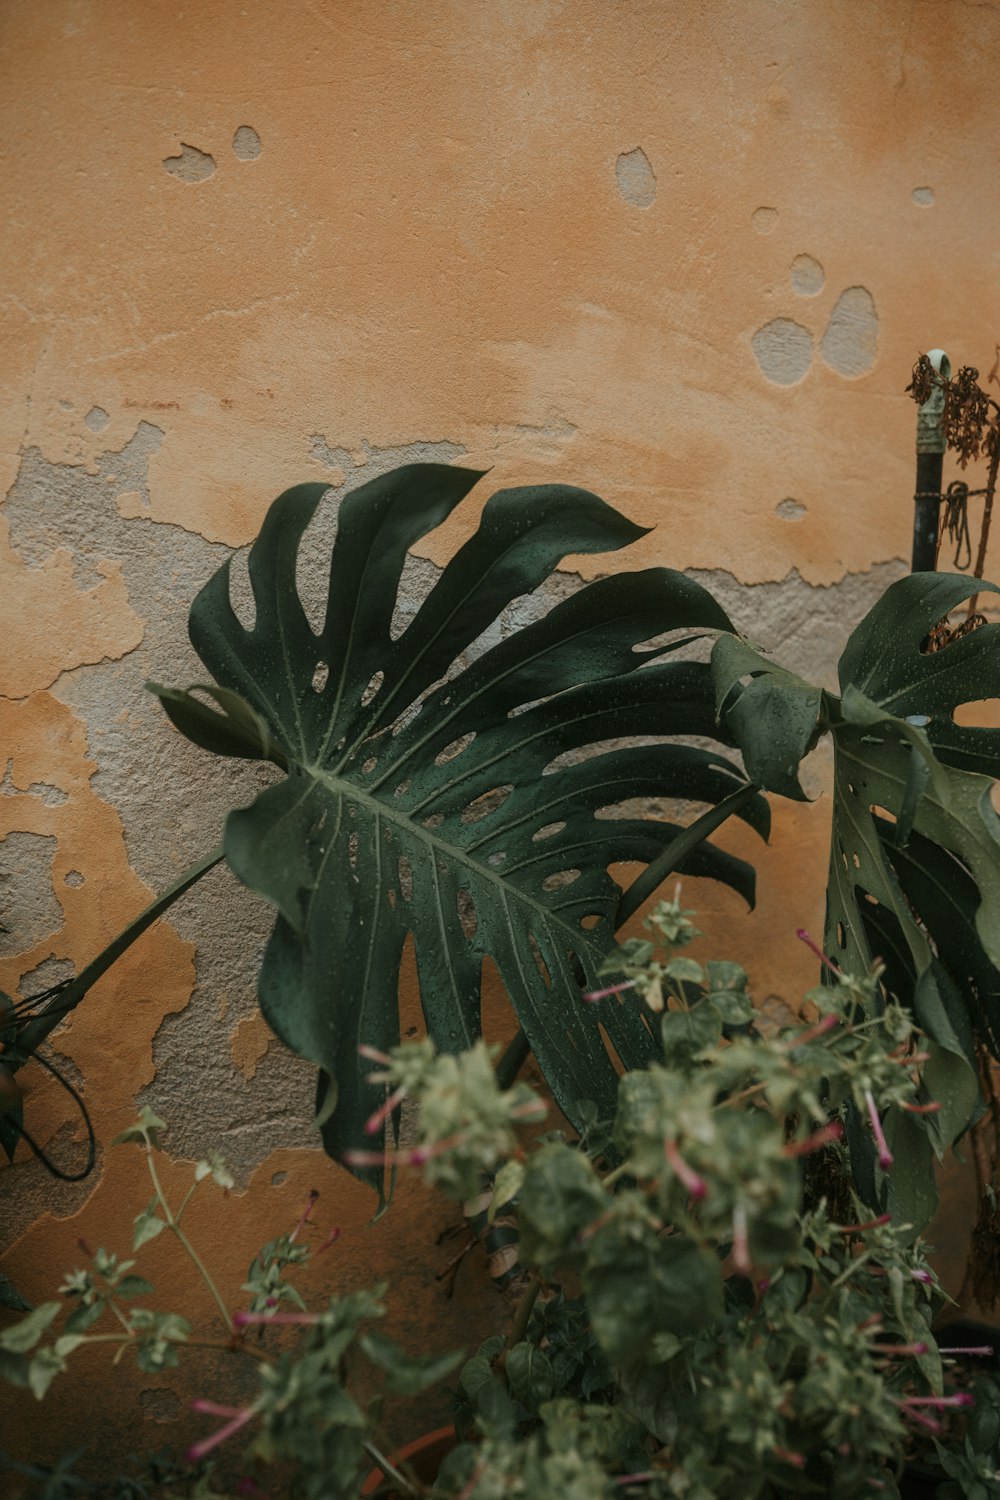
pixel 35 1030
pixel 665 863
pixel 515 1055
pixel 524 1310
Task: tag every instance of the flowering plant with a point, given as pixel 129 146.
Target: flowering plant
pixel 707 1310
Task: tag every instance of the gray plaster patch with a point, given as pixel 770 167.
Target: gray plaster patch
pixel 191 165
pixel 32 1190
pixel 246 143
pixel 73 878
pixel 29 910
pixel 805 625
pixel 783 350
pixel 45 976
pixel 61 505
pixel 923 197
pixel 635 178
pixel 808 276
pixel 765 220
pixel 790 510
pixel 850 342
pixel 97 419
pixel 52 796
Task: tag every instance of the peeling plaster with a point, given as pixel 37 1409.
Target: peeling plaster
pixel 29 910
pixel 783 350
pixel 246 144
pixel 850 342
pixel 636 178
pixel 191 165
pixel 808 276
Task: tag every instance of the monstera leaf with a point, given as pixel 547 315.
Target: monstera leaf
pixel 915 849
pixel 456 798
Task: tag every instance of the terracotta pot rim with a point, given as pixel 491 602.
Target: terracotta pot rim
pixel 403 1455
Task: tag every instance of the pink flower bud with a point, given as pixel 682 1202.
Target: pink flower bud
pixel 696 1186
pixel 816 1141
pixel 612 989
pixel 884 1154
pixel 814 947
pixel 377 1120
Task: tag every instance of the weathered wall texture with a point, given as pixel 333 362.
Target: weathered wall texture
pixel 682 254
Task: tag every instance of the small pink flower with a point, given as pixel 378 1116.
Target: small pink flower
pixel 816 1141
pixel 247 1487
pixel 198 1451
pixel 377 1120
pixel 940 1403
pixel 244 1319
pixel 374 1055
pixel 868 1224
pixel 696 1185
pixel 612 989
pixel 305 1214
pixel 814 947
pixel 812 1033
pixel 884 1154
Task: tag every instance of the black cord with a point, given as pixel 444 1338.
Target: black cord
pixel 37 1151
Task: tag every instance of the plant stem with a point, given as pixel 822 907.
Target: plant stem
pixel 524 1309
pixel 514 1057
pixel 192 1253
pixel 38 1027
pixel 121 1317
pixel 132 1337
pixel 184 1203
pixel 389 1470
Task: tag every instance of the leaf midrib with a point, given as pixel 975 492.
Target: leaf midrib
pixel 339 786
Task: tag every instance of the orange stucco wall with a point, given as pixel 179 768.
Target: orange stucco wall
pixel 683 254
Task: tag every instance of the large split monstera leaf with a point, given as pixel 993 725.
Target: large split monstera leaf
pixel 915 849
pixel 420 799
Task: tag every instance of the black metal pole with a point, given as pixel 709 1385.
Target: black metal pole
pixel 930 462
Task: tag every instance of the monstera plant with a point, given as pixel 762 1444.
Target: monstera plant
pixel 475 798
pixel 915 847
pixel 459 798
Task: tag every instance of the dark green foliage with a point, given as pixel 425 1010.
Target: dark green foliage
pixel 418 802
pixel 915 848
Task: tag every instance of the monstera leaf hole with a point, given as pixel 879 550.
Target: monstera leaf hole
pixel 978 713
pixel 466 778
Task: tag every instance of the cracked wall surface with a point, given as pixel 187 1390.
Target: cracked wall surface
pixel 683 256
